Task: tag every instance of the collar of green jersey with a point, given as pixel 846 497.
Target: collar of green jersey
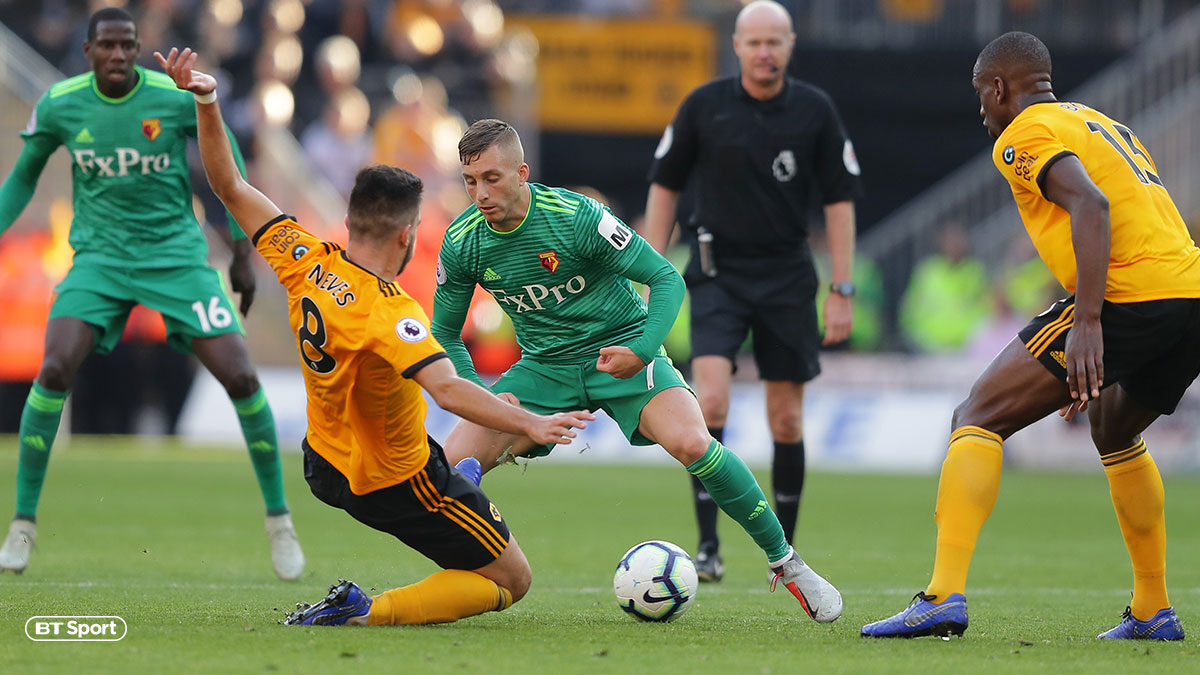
pixel 532 198
pixel 141 75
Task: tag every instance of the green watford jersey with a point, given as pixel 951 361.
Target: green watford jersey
pixel 131 192
pixel 559 276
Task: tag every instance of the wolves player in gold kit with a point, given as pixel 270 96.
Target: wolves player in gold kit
pixel 1102 220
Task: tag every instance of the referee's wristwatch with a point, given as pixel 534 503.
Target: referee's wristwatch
pixel 843 288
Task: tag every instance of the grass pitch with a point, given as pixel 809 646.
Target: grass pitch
pixel 172 541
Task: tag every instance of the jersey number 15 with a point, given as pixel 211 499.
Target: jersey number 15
pixel 1146 176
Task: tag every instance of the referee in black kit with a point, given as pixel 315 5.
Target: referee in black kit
pixel 761 149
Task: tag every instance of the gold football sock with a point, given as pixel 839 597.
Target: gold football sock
pixel 1137 496
pixel 966 494
pixel 441 597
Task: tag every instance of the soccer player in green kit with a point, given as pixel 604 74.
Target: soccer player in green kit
pixel 136 241
pixel 560 265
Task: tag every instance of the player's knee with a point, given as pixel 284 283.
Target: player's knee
pixel 521 580
pixel 787 427
pixel 56 374
pixel 241 385
pixel 714 406
pixel 1108 441
pixel 690 448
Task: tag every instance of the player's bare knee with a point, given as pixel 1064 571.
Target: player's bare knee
pixel 521 582
pixel 787 428
pixel 56 374
pixel 1108 441
pixel 688 449
pixel 241 385
pixel 714 407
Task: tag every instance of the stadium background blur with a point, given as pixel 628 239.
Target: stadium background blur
pixel 316 88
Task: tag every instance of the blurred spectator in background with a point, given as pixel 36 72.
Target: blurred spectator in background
pixel 948 297
pixel 1028 286
pixel 338 144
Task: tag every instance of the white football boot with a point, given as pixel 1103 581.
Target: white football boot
pixel 14 554
pixel 286 555
pixel 818 597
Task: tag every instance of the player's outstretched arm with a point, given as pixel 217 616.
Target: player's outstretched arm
pixel 249 207
pixel 476 404
pixel 18 187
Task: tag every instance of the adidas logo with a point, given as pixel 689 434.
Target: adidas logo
pixel 1060 357
pixel 758 510
pixel 262 446
pixel 35 442
pixel 490 275
pixel 84 136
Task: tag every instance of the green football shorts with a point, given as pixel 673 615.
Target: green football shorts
pixel 191 299
pixel 544 388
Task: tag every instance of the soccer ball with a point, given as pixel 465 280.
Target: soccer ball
pixel 655 581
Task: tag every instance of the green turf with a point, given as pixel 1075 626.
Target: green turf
pixel 171 540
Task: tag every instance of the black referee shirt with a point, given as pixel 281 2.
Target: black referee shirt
pixel 759 168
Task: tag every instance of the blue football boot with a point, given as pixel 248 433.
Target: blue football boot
pixel 345 600
pixel 471 469
pixel 924 618
pixel 1164 625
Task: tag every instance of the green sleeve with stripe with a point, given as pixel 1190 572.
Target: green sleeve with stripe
pixel 18 187
pixel 451 302
pixel 614 246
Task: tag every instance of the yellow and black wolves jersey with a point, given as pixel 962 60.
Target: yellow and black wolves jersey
pixel 1152 256
pixel 361 339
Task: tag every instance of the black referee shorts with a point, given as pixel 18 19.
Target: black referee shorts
pixel 437 512
pixel 1151 348
pixel 786 340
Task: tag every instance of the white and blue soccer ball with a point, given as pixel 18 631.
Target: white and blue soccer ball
pixel 655 581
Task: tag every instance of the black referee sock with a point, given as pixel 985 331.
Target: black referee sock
pixel 787 477
pixel 706 508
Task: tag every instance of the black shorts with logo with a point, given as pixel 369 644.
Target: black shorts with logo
pixel 437 512
pixel 782 319
pixel 1151 348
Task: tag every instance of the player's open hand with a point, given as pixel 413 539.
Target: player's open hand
pixel 181 67
pixel 839 319
pixel 1073 408
pixel 559 428
pixel 1085 360
pixel 620 362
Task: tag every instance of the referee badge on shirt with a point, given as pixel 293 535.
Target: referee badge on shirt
pixel 549 260
pixel 850 159
pixel 784 166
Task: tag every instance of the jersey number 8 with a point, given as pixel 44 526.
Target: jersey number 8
pixel 314 338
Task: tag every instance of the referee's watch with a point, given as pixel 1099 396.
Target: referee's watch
pixel 843 288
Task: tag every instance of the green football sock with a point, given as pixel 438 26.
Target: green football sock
pixel 733 488
pixel 39 426
pixel 258 428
